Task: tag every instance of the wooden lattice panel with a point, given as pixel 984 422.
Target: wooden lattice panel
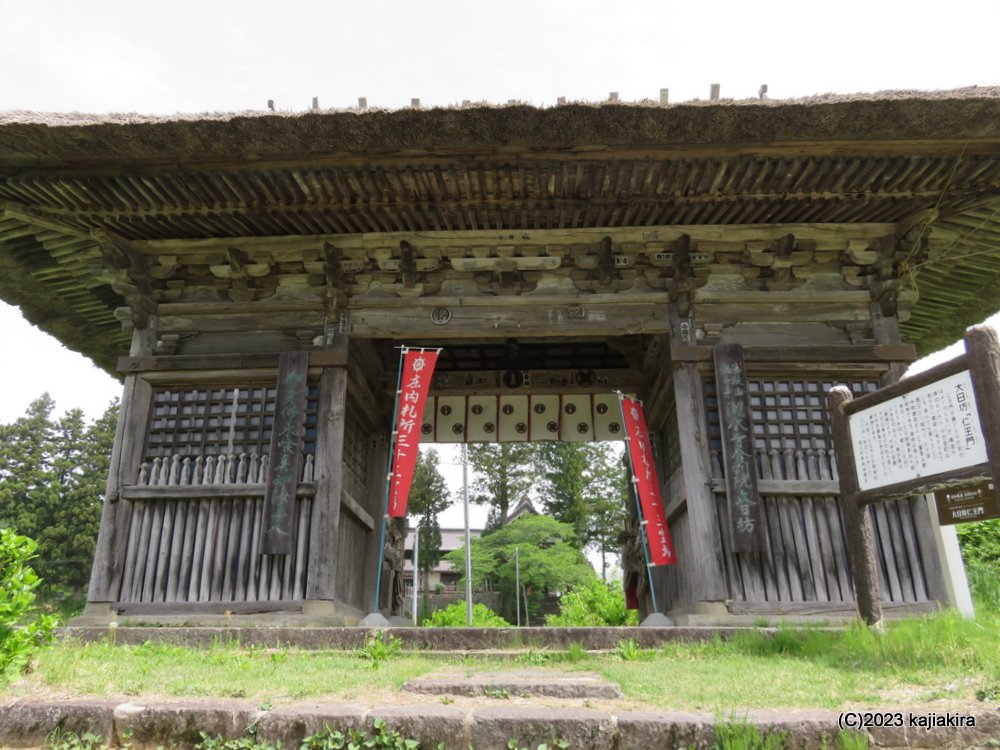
pixel 785 414
pixel 231 420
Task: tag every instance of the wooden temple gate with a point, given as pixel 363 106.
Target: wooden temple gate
pixel 550 274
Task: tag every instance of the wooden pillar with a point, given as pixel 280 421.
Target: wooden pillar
pixel 324 531
pixel 378 462
pixel 126 455
pixel 886 331
pixel 706 568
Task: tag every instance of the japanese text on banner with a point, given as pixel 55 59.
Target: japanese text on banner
pixel 661 548
pixel 415 379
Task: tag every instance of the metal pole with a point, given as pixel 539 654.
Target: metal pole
pixel 416 569
pixel 638 507
pixel 468 541
pixel 517 583
pixel 388 482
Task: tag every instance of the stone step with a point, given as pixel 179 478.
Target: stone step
pixel 521 682
pixel 147 725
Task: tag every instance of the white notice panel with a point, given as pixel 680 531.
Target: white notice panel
pixel 576 425
pixel 544 424
pixel 607 417
pixel 449 425
pixel 427 424
pixel 513 419
pixel 482 419
pixel 928 431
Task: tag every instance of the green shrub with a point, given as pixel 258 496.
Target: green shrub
pixel 593 604
pixel 984 583
pixel 980 541
pixel 980 544
pixel 22 630
pixel 453 616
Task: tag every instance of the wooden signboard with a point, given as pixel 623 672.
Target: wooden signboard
pixel 285 462
pixel 973 502
pixel 937 431
pixel 746 527
pixel 927 432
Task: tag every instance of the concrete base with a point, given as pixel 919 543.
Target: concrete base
pixel 310 613
pixel 334 614
pixel 720 614
pixel 656 620
pixel 375 620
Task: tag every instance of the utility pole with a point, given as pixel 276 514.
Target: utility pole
pixel 517 583
pixel 468 541
pixel 416 567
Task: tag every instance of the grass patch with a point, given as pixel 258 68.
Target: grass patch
pixel 226 671
pixel 913 660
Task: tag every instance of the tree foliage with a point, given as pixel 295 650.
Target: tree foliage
pixel 583 484
pixel 52 478
pixel 428 498
pixel 550 560
pixel 503 472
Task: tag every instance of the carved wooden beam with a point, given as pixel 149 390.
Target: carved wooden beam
pixel 336 283
pixel 127 270
pixel 779 265
pixel 895 257
pixel 407 265
pixel 683 287
pixel 36 218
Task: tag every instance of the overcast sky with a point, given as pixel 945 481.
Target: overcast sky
pixel 160 57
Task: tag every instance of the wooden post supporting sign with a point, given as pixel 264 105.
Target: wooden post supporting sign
pixel 938 430
pixel 857 522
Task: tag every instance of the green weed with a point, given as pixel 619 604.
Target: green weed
pixel 556 744
pixel 575 653
pixel 739 735
pixel 59 740
pixel 535 657
pixel 628 650
pixel 354 739
pixel 852 741
pixel 379 647
pixel 248 741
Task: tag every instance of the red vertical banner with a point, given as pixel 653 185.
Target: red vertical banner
pixel 661 549
pixel 414 382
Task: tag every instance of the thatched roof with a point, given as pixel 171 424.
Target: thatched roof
pixel 42 138
pixel 861 158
